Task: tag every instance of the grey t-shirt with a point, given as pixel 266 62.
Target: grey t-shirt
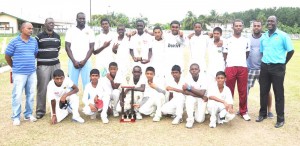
pixel 254 58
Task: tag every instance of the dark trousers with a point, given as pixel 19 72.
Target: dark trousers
pixel 272 74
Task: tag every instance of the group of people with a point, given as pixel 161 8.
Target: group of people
pixel 153 63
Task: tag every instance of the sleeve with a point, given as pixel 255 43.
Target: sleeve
pixel 261 46
pixel 288 44
pixel 92 36
pixel 247 44
pixel 210 91
pixel 97 42
pixel 225 48
pixel 50 92
pixel 59 42
pixel 10 49
pixel 36 47
pixel 69 83
pixel 228 96
pixel 118 78
pixel 68 37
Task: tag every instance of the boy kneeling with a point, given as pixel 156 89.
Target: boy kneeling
pixel 61 92
pixel 220 103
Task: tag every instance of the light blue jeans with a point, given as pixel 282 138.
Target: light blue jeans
pixel 85 73
pixel 20 82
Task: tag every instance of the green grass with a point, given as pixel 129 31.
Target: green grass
pixel 146 132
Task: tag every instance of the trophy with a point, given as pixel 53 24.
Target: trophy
pixel 129 115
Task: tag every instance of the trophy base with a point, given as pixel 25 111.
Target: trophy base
pixel 127 118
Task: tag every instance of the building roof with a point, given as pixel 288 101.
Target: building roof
pixel 22 19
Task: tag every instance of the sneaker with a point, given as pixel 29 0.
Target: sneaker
pixel 229 117
pixel 78 119
pixel 93 117
pixel 30 118
pixel 246 117
pixel 237 113
pixel 212 125
pixel 189 123
pixel 177 121
pixel 115 113
pixel 139 116
pixel 152 115
pixel 16 122
pixel 156 119
pixel 270 115
pixel 105 120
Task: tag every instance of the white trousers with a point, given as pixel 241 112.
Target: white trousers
pixel 195 104
pixel 63 113
pixel 175 105
pixel 127 100
pixel 216 110
pixel 155 101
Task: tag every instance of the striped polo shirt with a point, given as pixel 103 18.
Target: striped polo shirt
pixel 23 55
pixel 49 46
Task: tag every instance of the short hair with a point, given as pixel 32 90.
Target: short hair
pixel 218 29
pixel 195 64
pixel 23 24
pixel 258 21
pixel 104 19
pixel 58 73
pixel 237 20
pixel 79 14
pixel 175 22
pixel 197 23
pixel 150 68
pixel 176 68
pixel 120 25
pixel 157 27
pixel 222 73
pixel 113 64
pixel 136 67
pixel 48 19
pixel 140 20
pixel 94 71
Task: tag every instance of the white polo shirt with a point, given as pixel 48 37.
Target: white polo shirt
pixel 55 92
pixel 122 58
pixel 90 93
pixel 105 56
pixel 141 44
pixel 215 57
pixel 149 91
pixel 200 84
pixel 128 81
pixel 80 41
pixel 198 46
pixel 106 84
pixel 158 57
pixel 224 95
pixel 236 49
pixel 174 50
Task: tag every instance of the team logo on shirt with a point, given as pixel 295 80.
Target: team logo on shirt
pixel 177 45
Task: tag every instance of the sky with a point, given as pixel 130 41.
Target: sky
pixel 157 11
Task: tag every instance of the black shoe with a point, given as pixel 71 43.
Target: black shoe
pixel 39 116
pixel 279 124
pixel 260 118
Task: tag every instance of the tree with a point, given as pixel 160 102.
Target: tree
pixel 204 21
pixel 188 21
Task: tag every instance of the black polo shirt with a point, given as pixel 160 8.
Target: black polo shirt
pixel 49 46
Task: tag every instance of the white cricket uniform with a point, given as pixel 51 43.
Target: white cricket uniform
pixel 137 95
pixel 105 56
pixel 158 58
pixel 176 104
pixel 55 93
pixel 88 98
pixel 155 100
pixel 216 108
pixel 141 45
pixel 215 60
pixel 198 47
pixel 195 103
pixel 174 50
pixel 122 58
pixel 109 92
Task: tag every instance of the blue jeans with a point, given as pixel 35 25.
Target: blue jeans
pixel 85 73
pixel 19 83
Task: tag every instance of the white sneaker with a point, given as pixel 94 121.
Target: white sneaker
pixel 30 118
pixel 105 120
pixel 189 123
pixel 156 119
pixel 176 121
pixel 152 114
pixel 16 122
pixel 93 117
pixel 212 125
pixel 78 119
pixel 229 117
pixel 246 117
pixel 139 116
pixel 115 113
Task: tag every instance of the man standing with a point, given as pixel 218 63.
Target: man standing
pixel 277 50
pixel 103 47
pixel 47 62
pixel 79 47
pixel 254 61
pixel 235 55
pixel 20 54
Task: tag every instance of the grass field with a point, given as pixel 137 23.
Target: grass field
pixel 146 132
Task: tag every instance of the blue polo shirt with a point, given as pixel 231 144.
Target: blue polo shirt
pixel 23 55
pixel 275 47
